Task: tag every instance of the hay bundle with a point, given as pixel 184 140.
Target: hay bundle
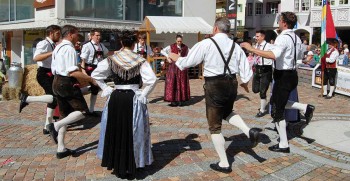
pixel 10 93
pixel 30 84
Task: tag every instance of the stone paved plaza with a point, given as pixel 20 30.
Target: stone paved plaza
pixel 182 145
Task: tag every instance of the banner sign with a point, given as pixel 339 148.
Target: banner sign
pixel 231 13
pixel 43 3
pixel 342 80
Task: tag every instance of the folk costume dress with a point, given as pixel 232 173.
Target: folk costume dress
pixel 177 85
pixel 125 143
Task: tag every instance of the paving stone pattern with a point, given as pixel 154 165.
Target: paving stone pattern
pixel 182 145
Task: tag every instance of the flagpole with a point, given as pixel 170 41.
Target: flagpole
pixel 323 40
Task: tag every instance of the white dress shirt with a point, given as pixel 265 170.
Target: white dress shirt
pixel 259 60
pixel 88 51
pixel 206 52
pixel 64 59
pixel 284 50
pixel 333 57
pixel 44 46
pixel 165 51
pixel 138 47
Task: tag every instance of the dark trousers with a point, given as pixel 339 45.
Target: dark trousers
pixel 220 95
pixel 69 96
pixel 285 82
pixel 89 68
pixel 329 75
pixel 261 80
pixel 45 79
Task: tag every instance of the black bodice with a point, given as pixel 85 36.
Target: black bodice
pixel 120 81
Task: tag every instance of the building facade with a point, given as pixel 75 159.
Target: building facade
pixel 22 23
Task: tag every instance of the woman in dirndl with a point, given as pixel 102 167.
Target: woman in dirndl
pixel 125 143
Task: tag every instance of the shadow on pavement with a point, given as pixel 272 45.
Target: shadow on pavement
pixel 87 123
pixel 240 143
pixel 85 148
pixel 166 151
pixel 242 96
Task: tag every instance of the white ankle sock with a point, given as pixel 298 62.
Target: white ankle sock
pixel 43 98
pixel 71 118
pixel 325 90
pixel 92 102
pixel 49 116
pixel 237 121
pixel 60 139
pixel 331 90
pixel 296 105
pixel 282 131
pixel 262 105
pixel 219 144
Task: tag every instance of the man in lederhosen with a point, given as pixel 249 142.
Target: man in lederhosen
pixel 142 48
pixel 66 88
pixel 263 72
pixel 43 57
pixel 222 59
pixel 93 52
pixel 329 61
pixel 286 50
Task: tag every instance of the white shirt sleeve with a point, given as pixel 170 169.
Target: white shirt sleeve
pixel 41 48
pixel 165 51
pixel 85 51
pixel 72 64
pixel 101 73
pixel 194 57
pixel 333 57
pixel 148 78
pixel 279 48
pixel 245 71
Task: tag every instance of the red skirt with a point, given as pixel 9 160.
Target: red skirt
pixel 177 85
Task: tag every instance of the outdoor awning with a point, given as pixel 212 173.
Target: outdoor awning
pixel 171 24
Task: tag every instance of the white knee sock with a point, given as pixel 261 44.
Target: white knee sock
pixel 282 131
pixel 92 102
pixel 43 98
pixel 325 90
pixel 71 118
pixel 296 105
pixel 60 139
pixel 331 90
pixel 219 144
pixel 262 105
pixel 49 116
pixel 237 121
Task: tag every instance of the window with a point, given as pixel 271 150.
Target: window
pixel 332 2
pixel 258 8
pixel 11 10
pixel 122 9
pixel 318 3
pixel 249 9
pixel 305 5
pixel 296 5
pixel 239 8
pixel 343 2
pixel 239 22
pixel 272 8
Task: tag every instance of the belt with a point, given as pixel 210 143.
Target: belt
pixel 233 76
pixel 128 86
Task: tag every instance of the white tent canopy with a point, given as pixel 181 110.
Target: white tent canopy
pixel 171 24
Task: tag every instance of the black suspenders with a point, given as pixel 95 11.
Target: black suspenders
pixel 93 46
pixel 263 63
pixel 50 44
pixel 295 49
pixel 226 62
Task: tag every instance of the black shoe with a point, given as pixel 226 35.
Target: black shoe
pixel 23 102
pixel 66 153
pixel 309 113
pixel 45 131
pixel 324 95
pixel 254 136
pixel 216 167
pixel 93 114
pixel 53 132
pixel 276 148
pixel 173 104
pixel 260 114
pixel 328 97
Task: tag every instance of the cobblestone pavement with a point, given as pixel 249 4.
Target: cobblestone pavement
pixel 181 143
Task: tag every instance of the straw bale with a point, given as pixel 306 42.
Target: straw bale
pixel 30 84
pixel 10 93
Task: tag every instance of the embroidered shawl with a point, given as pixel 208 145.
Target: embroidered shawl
pixel 126 64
